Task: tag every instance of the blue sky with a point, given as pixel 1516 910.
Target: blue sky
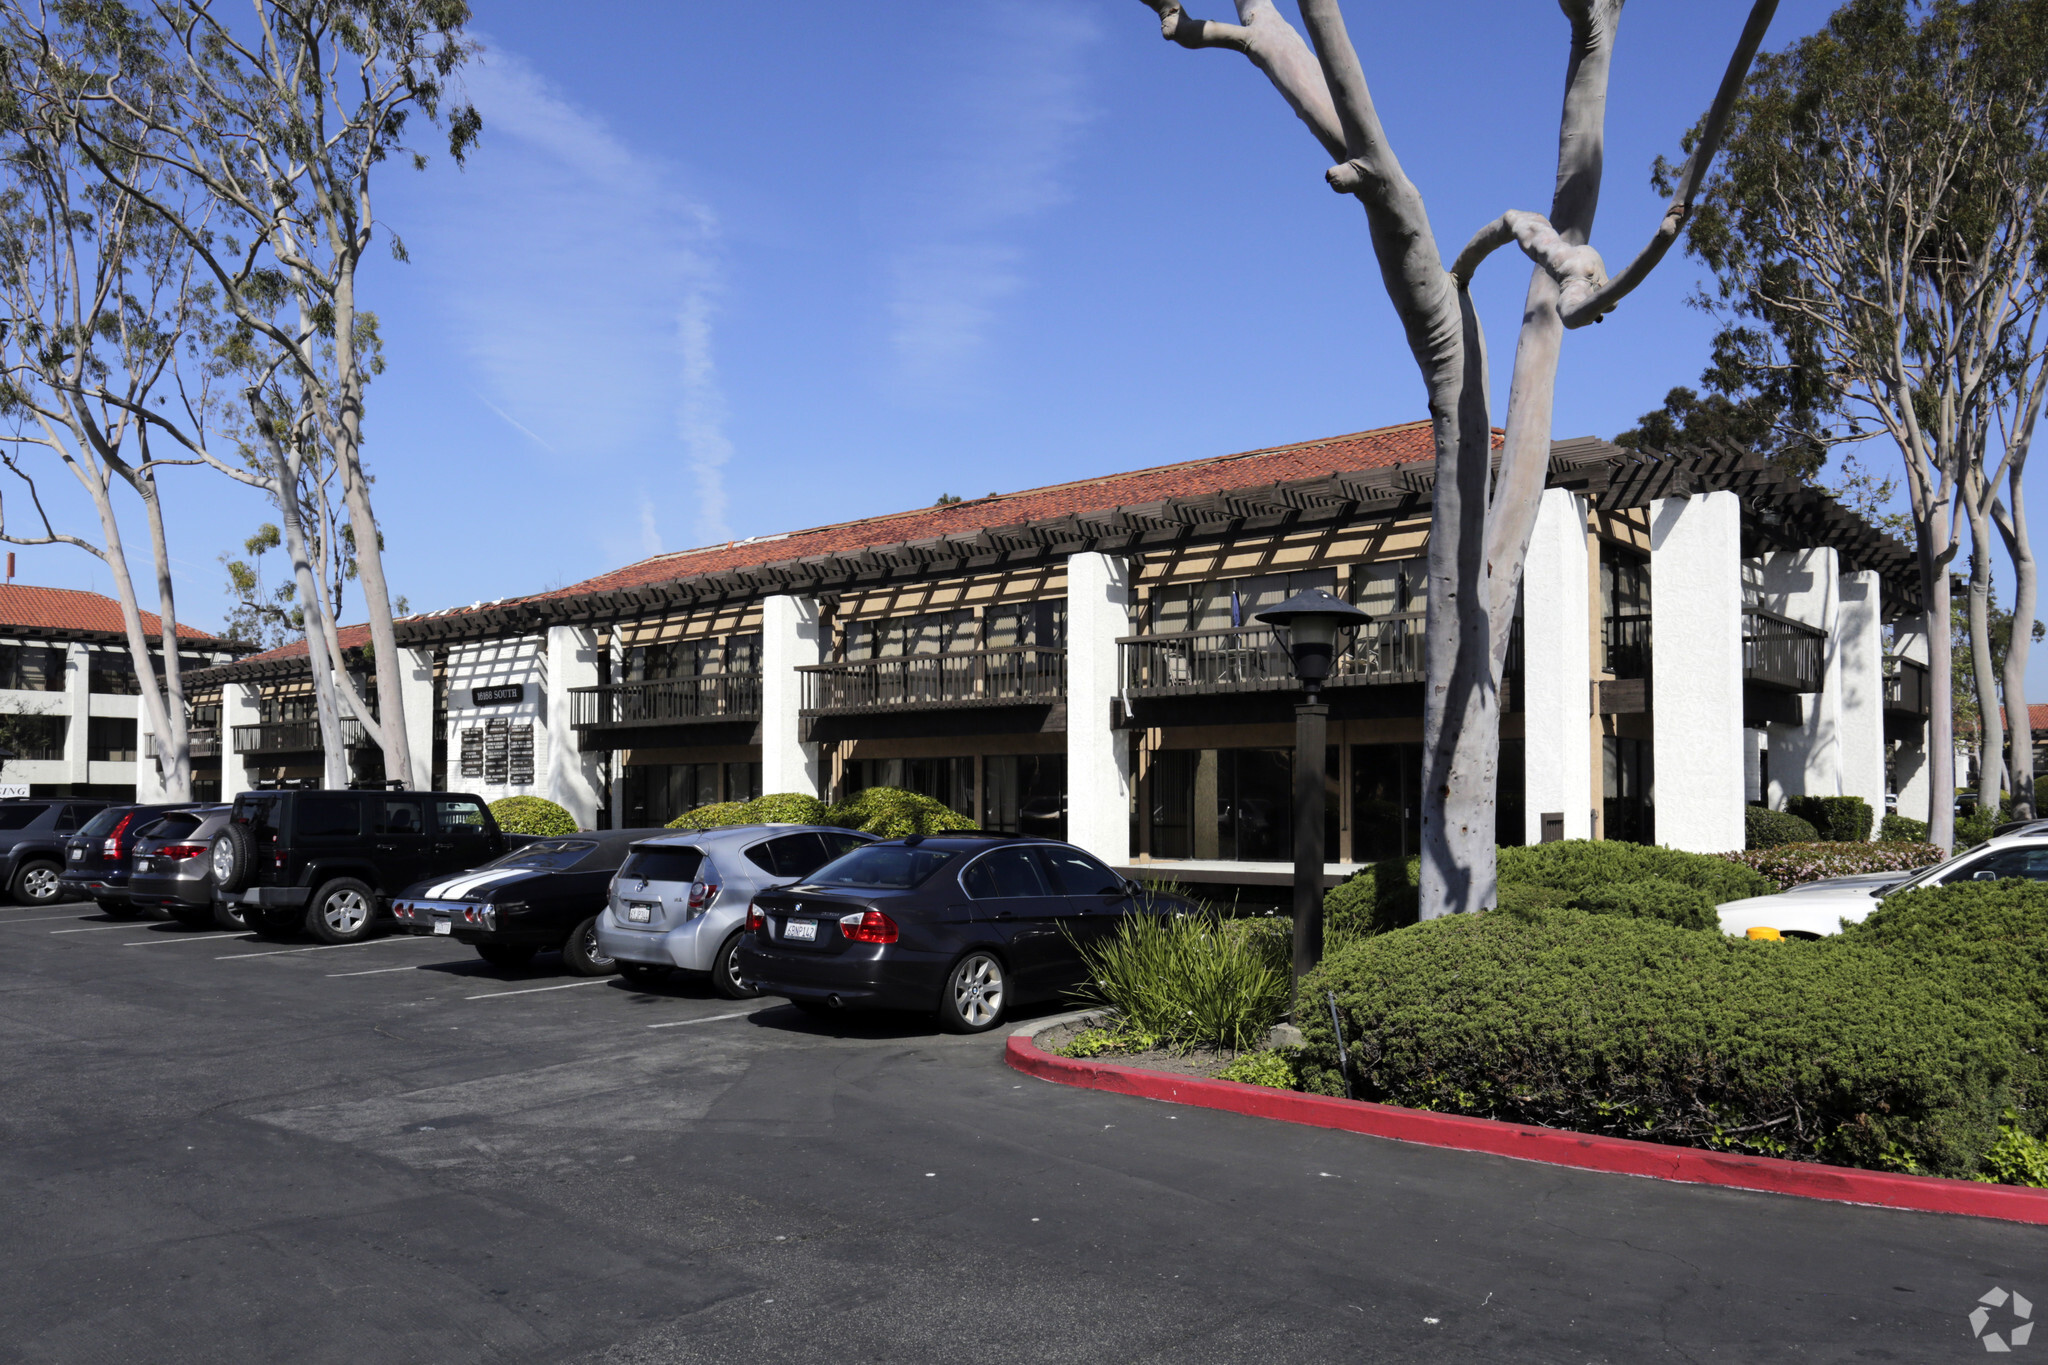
pixel 723 270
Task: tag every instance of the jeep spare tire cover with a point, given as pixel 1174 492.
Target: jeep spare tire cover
pixel 232 856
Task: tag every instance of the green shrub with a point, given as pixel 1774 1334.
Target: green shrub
pixel 2016 1159
pixel 1260 1068
pixel 894 813
pixel 786 808
pixel 532 815
pixel 714 816
pixel 1577 865
pixel 1835 1050
pixel 1658 898
pixel 1797 864
pixel 1838 819
pixel 1976 827
pixel 1189 980
pixel 1384 896
pixel 1763 827
pixel 1520 896
pixel 1106 1041
pixel 1897 829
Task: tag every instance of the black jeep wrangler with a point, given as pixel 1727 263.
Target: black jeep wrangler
pixel 329 862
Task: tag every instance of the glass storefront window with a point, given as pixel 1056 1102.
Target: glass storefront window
pixel 1629 808
pixel 1025 794
pixel 949 781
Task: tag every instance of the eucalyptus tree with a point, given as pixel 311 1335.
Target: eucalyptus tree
pixel 281 116
pixel 104 307
pixel 1480 523
pixel 1878 224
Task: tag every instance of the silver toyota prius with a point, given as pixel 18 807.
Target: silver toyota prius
pixel 679 901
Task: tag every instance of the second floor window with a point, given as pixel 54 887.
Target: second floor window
pixel 693 658
pixel 32 668
pixel 892 637
pixel 110 739
pixel 1230 602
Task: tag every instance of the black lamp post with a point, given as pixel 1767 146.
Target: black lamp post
pixel 1308 626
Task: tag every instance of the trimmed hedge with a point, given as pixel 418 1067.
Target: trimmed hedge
pixel 714 816
pixel 532 815
pixel 1795 864
pixel 894 813
pixel 1899 829
pixel 1657 898
pixel 1386 895
pixel 1763 827
pixel 1837 819
pixel 1848 1050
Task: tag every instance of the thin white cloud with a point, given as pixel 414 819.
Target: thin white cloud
pixel 650 530
pixel 1011 117
pixel 579 275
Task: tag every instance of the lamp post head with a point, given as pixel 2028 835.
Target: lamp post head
pixel 1307 626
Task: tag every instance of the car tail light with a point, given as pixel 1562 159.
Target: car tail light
pixel 112 847
pixel 702 894
pixel 869 926
pixel 756 921
pixel 182 851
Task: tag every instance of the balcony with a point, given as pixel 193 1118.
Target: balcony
pixel 294 737
pixel 1906 689
pixel 204 743
pixel 1780 653
pixel 1249 659
pixel 1625 646
pixel 1017 675
pixel 705 698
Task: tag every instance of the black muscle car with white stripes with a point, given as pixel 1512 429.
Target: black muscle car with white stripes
pixel 543 896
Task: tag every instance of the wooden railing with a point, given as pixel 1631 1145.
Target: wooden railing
pixel 1625 645
pixel 1906 689
pixel 1782 653
pixel 668 701
pixel 204 743
pixel 294 737
pixel 1011 676
pixel 1249 659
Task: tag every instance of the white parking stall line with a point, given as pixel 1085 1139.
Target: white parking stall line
pixel 166 938
pixel 319 948
pixel 710 1019
pixel 534 990
pixel 92 929
pixel 374 971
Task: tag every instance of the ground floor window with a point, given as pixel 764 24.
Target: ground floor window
pixel 1025 794
pixel 34 737
pixel 1628 806
pixel 656 793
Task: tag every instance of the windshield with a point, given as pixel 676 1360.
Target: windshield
pixel 658 864
pixel 892 867
pixel 553 855
pixel 101 825
pixel 1927 876
pixel 177 825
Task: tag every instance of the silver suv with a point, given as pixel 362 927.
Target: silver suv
pixel 680 900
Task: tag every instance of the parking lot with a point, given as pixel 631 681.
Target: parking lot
pixel 222 1148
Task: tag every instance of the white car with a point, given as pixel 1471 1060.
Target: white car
pixel 1820 908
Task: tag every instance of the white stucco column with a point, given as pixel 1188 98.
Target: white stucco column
pixel 416 682
pixel 575 779
pixel 1098 755
pixel 1806 759
pixel 1909 641
pixel 1696 671
pixel 1557 699
pixel 1859 676
pixel 240 704
pixel 789 640
pixel 149 782
pixel 77 701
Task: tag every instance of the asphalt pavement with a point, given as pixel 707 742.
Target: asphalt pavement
pixel 218 1148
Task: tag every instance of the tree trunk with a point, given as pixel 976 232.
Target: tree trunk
pixel 131 620
pixel 333 741
pixel 2019 547
pixel 1983 672
pixel 173 743
pixel 1931 544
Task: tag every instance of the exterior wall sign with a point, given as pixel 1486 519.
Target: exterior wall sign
pixel 472 753
pixel 510 695
pixel 497 739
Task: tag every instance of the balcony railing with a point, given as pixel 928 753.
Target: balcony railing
pixel 204 744
pixel 293 737
pixel 1782 653
pixel 1011 676
pixel 668 701
pixel 1906 690
pixel 1625 645
pixel 1249 659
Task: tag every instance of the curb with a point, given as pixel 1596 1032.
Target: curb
pixel 1524 1142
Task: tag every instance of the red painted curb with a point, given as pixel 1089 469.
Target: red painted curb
pixel 1552 1146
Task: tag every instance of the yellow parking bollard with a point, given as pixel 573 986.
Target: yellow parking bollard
pixel 1766 934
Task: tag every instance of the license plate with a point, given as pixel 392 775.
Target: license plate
pixel 800 930
pixel 77 853
pixel 444 926
pixel 639 914
pixel 144 864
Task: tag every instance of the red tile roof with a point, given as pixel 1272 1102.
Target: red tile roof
pixel 70 609
pixel 1384 448
pixel 352 637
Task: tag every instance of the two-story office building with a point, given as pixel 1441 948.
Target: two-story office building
pixel 1083 660
pixel 68 683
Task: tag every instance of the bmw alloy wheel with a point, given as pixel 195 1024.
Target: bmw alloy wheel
pixel 345 911
pixel 977 988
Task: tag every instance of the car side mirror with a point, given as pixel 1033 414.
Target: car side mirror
pixel 1133 887
pixel 1986 876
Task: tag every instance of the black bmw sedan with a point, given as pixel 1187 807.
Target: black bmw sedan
pixel 543 895
pixel 968 925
